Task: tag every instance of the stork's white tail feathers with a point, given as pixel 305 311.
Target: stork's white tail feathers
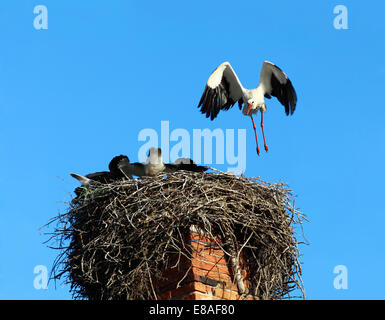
pixel 83 180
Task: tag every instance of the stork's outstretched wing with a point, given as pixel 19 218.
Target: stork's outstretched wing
pixel 277 84
pixel 222 90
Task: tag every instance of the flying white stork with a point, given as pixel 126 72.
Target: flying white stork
pixel 223 89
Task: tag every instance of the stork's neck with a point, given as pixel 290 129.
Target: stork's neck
pixel 255 100
pixel 257 94
pixel 155 159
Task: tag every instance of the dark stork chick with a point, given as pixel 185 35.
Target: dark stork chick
pixel 103 176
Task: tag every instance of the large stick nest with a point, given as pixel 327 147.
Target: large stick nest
pixel 117 238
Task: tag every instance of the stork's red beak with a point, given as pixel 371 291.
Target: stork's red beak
pixel 249 108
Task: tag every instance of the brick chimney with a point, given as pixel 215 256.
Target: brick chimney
pixel 207 275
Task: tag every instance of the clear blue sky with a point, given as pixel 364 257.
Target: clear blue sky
pixel 78 93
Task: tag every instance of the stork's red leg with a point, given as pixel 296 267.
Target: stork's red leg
pixel 255 131
pixel 263 133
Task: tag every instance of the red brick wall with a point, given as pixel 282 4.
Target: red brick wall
pixel 206 276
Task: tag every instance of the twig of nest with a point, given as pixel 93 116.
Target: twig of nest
pixel 117 238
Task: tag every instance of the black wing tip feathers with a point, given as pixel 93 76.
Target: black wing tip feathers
pixel 292 96
pixel 215 99
pixel 285 93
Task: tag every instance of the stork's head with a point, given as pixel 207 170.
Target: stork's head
pixel 113 166
pixel 253 106
pixel 250 107
pixel 155 156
